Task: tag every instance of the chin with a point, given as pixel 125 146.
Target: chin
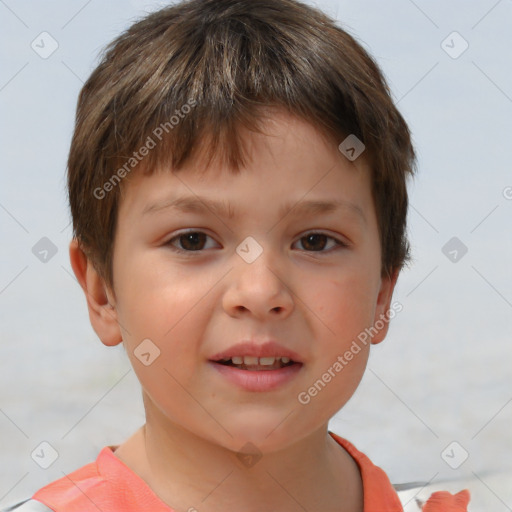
pixel 263 435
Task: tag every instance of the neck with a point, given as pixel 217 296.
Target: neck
pixel 188 472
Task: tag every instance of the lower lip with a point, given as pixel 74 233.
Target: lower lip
pixel 258 380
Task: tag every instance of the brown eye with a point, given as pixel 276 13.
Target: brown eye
pixel 317 242
pixel 314 242
pixel 190 241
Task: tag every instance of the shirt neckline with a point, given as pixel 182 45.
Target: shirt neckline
pixel 112 468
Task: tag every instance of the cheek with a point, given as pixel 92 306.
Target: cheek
pixel 345 305
pixel 158 303
pixel 168 312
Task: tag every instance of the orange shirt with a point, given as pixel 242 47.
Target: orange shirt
pixel 110 486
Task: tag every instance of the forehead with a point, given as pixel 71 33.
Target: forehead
pixel 289 160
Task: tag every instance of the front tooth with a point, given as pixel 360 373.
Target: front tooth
pixel 250 360
pixel 267 361
pixel 285 360
pixel 237 360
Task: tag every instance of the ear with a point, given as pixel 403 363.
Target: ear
pixel 382 311
pixel 100 301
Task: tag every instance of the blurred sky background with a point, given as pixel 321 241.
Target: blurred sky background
pixel 444 372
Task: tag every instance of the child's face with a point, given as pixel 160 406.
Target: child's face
pixel 308 294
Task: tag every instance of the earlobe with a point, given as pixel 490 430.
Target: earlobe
pixel 382 315
pixel 100 302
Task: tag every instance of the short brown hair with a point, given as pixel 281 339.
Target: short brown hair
pixel 201 69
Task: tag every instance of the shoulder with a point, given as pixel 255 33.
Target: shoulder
pixel 381 495
pixel 105 485
pixel 70 493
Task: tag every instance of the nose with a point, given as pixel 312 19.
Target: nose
pixel 258 289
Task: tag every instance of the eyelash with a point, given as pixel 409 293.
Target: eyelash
pixel 339 243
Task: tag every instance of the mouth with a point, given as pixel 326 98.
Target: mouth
pixel 257 374
pixel 252 363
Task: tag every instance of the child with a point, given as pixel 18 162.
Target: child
pixel 252 128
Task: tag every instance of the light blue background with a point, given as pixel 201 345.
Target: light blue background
pixel 444 372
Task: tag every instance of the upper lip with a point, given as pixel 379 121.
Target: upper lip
pixel 250 348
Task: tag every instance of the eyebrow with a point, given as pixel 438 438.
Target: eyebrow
pixel 196 204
